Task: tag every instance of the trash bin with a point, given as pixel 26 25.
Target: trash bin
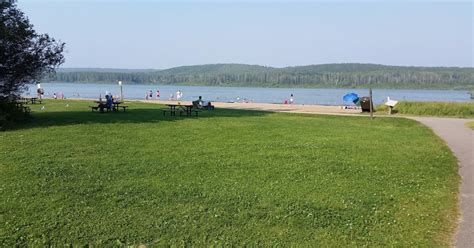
pixel 365 104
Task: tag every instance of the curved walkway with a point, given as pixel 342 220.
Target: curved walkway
pixel 461 141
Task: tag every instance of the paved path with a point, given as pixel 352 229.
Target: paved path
pixel 461 141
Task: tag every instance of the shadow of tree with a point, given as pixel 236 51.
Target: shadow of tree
pixel 134 115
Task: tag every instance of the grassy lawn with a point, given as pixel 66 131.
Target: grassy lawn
pixel 471 125
pixel 227 177
pixel 448 109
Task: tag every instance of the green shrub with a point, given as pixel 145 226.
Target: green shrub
pixel 11 113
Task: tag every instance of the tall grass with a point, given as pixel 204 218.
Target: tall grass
pixel 452 109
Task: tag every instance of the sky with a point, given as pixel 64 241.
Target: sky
pixel 164 34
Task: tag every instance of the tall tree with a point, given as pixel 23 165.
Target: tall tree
pixel 25 56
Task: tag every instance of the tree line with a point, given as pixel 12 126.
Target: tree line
pixel 329 75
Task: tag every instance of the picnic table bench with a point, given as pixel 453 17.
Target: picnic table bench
pixel 180 108
pixel 32 100
pixel 123 107
pixel 103 106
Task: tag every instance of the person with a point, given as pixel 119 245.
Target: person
pixel 157 94
pixel 108 101
pixel 55 96
pixel 203 104
pixel 40 92
pixel 198 102
pixel 150 94
pixel 292 99
pixel 146 95
pixel 179 95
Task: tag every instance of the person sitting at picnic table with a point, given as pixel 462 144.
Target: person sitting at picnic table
pixel 203 104
pixel 108 102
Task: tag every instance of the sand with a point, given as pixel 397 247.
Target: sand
pixel 293 108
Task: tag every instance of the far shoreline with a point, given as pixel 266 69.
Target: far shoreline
pixel 362 87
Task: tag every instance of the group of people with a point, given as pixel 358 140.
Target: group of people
pixel 149 95
pixel 59 95
pixel 203 104
pixel 40 93
pixel 291 101
pixel 177 97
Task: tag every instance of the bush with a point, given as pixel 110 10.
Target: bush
pixel 11 113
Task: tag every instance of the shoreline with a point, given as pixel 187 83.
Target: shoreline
pixel 273 107
pixel 270 107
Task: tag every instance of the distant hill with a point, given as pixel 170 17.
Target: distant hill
pixel 325 75
pixel 65 70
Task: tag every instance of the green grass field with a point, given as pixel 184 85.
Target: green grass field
pixel 227 177
pixel 471 125
pixel 448 109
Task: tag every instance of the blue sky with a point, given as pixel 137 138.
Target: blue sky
pixel 159 34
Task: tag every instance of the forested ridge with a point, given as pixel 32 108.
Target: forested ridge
pixel 326 75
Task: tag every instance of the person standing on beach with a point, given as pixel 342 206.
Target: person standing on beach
pixel 157 94
pixel 292 99
pixel 179 95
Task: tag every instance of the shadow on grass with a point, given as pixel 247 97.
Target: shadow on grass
pixel 134 115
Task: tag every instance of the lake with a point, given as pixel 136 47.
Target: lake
pixel 263 95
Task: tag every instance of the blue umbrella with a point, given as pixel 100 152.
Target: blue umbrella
pixel 351 97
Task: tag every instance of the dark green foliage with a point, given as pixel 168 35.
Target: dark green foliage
pixel 329 75
pixel 25 56
pixel 11 113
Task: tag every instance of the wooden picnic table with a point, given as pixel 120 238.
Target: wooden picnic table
pixel 115 105
pixel 33 100
pixel 186 108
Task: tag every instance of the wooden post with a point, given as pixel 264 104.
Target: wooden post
pixel 371 104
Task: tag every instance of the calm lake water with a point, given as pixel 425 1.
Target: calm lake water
pixel 263 95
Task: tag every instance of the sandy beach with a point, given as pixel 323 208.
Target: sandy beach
pixel 271 107
pixel 290 108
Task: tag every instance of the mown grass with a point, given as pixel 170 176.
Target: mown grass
pixel 228 177
pixel 470 125
pixel 449 109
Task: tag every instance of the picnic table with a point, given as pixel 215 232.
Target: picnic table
pixel 20 105
pixel 116 105
pixel 181 108
pixel 33 100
